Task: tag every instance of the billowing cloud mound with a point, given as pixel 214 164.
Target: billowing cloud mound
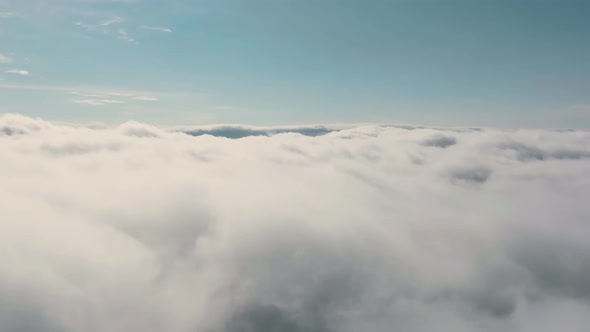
pixel 371 228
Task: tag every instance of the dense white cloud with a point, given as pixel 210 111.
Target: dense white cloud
pixel 370 228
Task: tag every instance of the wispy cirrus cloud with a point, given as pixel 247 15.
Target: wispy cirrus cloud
pixel 107 27
pixel 134 96
pixel 99 99
pixel 122 94
pixel 85 90
pixel 21 72
pixel 94 95
pixel 124 35
pixel 5 58
pixel 145 98
pixel 231 108
pixel 97 102
pixel 111 21
pixel 161 29
pixel 8 14
pixel 90 95
pixel 89 27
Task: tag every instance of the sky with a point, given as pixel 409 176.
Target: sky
pixel 520 63
pixel 294 165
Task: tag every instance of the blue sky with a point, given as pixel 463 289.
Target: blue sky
pixel 491 63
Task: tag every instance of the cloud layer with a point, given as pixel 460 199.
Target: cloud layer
pixel 371 228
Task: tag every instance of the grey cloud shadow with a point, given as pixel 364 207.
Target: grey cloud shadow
pixel 439 141
pixel 237 132
pixel 72 149
pixel 476 174
pixel 268 318
pixel 22 313
pixel 10 131
pixel 525 152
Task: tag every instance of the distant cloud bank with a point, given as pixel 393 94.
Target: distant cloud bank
pixel 292 229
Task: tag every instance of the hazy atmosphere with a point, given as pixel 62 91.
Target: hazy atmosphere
pixel 294 166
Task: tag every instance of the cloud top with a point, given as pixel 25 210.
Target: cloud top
pixel 363 228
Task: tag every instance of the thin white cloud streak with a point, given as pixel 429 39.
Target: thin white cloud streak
pixel 230 108
pixel 91 90
pixel 88 94
pixel 114 20
pixel 124 35
pixel 101 99
pixel 20 72
pixel 4 15
pixel 145 98
pixel 126 95
pixel 122 94
pixel 372 228
pixel 105 27
pixel 89 27
pixel 5 58
pixel 97 102
pixel 161 29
